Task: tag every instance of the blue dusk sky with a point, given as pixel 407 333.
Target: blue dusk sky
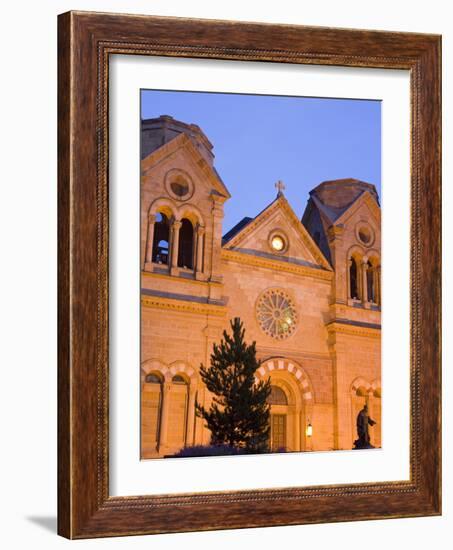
pixel 259 139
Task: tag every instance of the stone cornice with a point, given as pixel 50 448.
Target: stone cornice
pixel 335 232
pixel 352 328
pixel 275 265
pixel 172 278
pixel 267 352
pixel 183 306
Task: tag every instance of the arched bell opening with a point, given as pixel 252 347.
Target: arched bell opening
pixel 186 244
pixel 161 239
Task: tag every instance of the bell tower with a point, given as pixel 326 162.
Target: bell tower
pixel 344 219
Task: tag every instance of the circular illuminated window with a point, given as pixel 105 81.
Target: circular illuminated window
pixel 276 314
pixel 277 243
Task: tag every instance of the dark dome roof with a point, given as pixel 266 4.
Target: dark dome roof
pixel 342 193
pixel 156 132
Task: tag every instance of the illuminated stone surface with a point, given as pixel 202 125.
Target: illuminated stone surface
pixel 327 358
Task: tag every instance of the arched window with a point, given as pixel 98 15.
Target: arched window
pixel 151 412
pixel 371 289
pixel 353 279
pixel 153 378
pixel 178 413
pixel 178 379
pixel 185 253
pixel 277 396
pixel 161 239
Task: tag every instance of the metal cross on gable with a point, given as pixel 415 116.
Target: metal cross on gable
pixel 280 186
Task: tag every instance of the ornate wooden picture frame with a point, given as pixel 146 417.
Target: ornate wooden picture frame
pixel 85 507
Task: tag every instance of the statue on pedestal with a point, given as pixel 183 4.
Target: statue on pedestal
pixel 363 421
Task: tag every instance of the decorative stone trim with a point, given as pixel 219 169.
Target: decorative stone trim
pixel 361 383
pixel 183 306
pixel 276 313
pixel 276 265
pixel 353 329
pixel 335 232
pixel 168 371
pixel 147 273
pixel 280 363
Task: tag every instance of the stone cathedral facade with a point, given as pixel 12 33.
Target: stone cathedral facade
pixel 307 288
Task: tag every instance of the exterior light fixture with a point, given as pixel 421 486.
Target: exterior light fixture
pixel 309 430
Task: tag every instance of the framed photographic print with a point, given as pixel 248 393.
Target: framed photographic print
pixel 249 275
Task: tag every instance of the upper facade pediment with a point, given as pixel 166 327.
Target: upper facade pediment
pixel 182 154
pixel 276 233
pixel 364 205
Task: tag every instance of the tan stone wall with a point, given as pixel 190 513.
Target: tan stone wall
pixel 243 286
pixel 356 357
pixel 322 421
pixel 203 208
pixel 185 311
pixel 170 336
pixel 172 339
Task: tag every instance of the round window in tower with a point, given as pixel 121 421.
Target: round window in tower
pixel 365 234
pixel 179 188
pixel 276 313
pixel 178 184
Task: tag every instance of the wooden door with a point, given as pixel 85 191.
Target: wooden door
pixel 278 431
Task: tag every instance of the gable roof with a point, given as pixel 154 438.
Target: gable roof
pixel 186 143
pixel 364 198
pixel 235 229
pixel 246 226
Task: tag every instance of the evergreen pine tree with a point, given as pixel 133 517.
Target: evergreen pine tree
pixel 239 413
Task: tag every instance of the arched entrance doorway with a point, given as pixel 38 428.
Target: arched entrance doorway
pixel 291 404
pixel 278 401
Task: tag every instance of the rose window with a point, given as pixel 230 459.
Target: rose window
pixel 276 314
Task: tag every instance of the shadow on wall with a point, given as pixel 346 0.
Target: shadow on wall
pixel 49 523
